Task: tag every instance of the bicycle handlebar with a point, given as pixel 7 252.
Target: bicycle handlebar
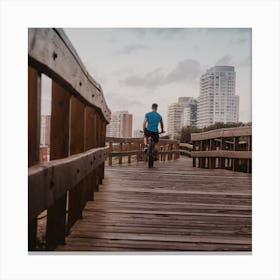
pixel 154 131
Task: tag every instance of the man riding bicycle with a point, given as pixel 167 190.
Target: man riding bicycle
pixel 153 119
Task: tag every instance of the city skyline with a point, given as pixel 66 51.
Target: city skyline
pixel 140 66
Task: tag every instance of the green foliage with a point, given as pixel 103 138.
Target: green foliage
pixel 185 133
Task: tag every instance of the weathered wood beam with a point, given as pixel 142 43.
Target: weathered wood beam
pixel 223 132
pixel 137 140
pixel 51 52
pixel 223 154
pixel 48 181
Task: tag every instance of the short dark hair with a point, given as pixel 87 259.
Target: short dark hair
pixel 154 106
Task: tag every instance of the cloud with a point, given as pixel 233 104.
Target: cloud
pixel 117 101
pixel 239 40
pixel 247 62
pixel 128 49
pixel 149 80
pixel 225 60
pixel 159 32
pixel 187 70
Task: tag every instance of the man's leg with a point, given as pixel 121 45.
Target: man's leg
pixel 145 144
pixel 145 140
pixel 156 150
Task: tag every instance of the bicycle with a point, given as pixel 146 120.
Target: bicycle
pixel 150 151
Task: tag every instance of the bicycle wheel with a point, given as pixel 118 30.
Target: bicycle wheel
pixel 150 155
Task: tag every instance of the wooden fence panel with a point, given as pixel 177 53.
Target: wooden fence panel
pixel 34 119
pixel 59 148
pixel 89 143
pixel 76 201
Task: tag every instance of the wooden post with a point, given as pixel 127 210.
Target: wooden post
pixel 76 195
pixel 235 148
pixel 95 145
pixel 102 144
pixel 211 160
pixel 34 123
pixel 137 144
pixel 200 149
pixel 59 148
pixel 223 148
pixel 89 142
pixel 249 148
pixel 203 160
pixel 129 149
pixel 120 148
pixel 194 158
pixel 110 152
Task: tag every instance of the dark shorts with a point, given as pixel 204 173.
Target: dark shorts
pixel 152 134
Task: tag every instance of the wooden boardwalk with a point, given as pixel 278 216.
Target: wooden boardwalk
pixel 172 207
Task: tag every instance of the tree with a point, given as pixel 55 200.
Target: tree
pixel 185 133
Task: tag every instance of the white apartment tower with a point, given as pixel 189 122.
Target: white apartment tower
pixel 174 119
pixel 217 101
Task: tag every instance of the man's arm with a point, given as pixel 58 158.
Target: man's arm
pixel 144 124
pixel 161 125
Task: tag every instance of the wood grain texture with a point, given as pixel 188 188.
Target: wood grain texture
pixel 172 207
pixel 51 52
pixel 49 181
pixel 59 148
pixel 34 118
pixel 223 132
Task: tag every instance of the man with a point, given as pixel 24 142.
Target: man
pixel 151 130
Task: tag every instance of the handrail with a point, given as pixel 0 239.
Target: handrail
pixel 47 182
pixel 128 147
pixel 51 52
pixel 229 148
pixel 78 120
pixel 137 139
pixel 222 132
pixel 185 149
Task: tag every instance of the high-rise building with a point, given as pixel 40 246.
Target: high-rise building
pixel 181 114
pixel 217 101
pixel 120 125
pixel 190 113
pixel 45 130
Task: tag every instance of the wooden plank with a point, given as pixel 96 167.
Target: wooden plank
pixel 89 143
pixel 121 152
pixel 223 154
pixel 34 118
pixel 50 51
pixel 59 148
pixel 137 140
pixel 223 132
pixel 77 143
pixel 49 181
pixel 171 207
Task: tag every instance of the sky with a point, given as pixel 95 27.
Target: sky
pixel 140 66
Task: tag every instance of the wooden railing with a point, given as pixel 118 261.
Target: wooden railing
pixel 185 149
pixel 121 148
pixel 229 148
pixel 79 115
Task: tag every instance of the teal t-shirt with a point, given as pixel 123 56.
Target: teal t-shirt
pixel 153 120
